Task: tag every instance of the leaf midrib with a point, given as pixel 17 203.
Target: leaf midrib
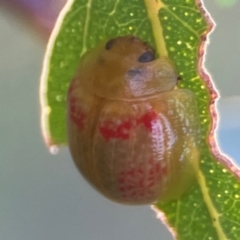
pixel 153 7
pixel 215 215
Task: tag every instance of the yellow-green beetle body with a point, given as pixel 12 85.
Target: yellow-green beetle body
pixel 132 135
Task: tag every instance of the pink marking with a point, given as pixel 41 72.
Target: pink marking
pixel 76 113
pixel 139 182
pixel 111 129
pixel 147 119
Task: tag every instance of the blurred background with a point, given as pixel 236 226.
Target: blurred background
pixel 43 197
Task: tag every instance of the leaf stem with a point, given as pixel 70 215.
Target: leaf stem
pixel 153 8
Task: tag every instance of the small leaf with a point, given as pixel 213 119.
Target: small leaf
pixel 177 28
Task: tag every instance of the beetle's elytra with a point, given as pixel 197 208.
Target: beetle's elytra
pixel 131 134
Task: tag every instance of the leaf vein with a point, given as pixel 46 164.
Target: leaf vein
pixel 86 27
pixel 183 23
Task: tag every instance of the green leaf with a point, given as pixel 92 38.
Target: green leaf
pixel 177 28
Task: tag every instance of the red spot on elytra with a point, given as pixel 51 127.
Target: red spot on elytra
pixel 76 113
pixel 147 119
pixel 110 129
pixel 140 182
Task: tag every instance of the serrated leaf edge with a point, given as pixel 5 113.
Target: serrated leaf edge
pixel 153 8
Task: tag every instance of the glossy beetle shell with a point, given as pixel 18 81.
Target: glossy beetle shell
pixel 131 134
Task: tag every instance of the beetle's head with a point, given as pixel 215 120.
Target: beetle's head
pixel 126 68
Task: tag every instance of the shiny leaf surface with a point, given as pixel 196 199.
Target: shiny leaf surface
pixel 177 28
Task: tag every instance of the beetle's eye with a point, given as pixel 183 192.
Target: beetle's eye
pixel 109 44
pixel 147 57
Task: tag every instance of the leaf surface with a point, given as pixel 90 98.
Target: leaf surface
pixel 177 28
